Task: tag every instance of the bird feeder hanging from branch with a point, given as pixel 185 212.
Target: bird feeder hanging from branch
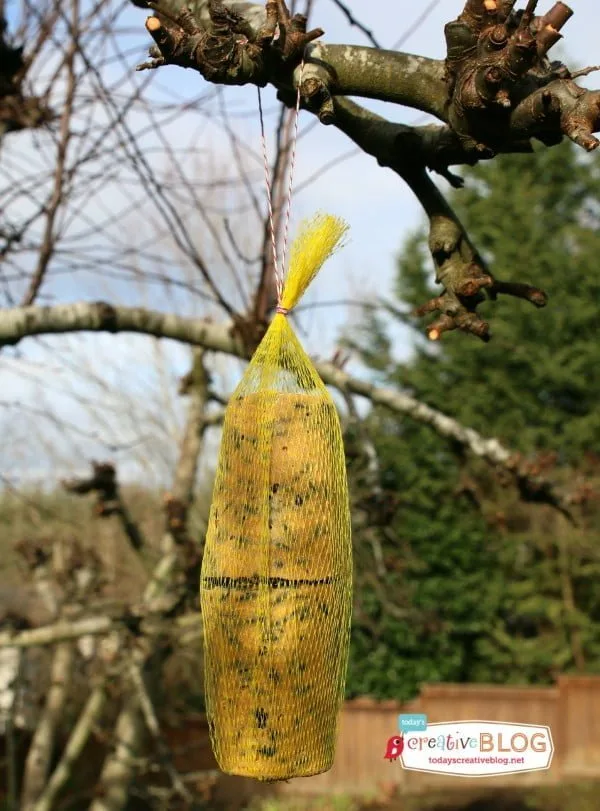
pixel 276 583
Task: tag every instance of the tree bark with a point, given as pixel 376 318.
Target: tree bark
pixel 39 756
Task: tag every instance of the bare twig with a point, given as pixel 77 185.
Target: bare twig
pixel 153 726
pixel 56 199
pixel 356 23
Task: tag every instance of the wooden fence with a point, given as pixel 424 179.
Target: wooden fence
pixel 571 709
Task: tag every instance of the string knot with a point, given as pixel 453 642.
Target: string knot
pixel 281 310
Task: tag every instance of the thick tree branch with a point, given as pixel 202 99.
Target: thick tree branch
pixel 438 147
pixel 459 266
pixel 143 623
pixel 39 756
pixel 60 631
pixel 495 88
pixel 559 107
pixel 83 729
pixel 20 322
pixel 401 78
pixel 229 48
pixel 253 13
pixel 502 85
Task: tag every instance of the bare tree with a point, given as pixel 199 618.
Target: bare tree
pixel 496 90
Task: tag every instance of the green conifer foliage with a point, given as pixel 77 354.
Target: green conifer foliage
pixel 479 585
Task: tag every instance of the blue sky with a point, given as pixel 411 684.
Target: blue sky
pixel 97 390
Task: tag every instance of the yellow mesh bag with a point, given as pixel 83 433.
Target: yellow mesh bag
pixel 276 583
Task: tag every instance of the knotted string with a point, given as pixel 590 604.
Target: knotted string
pixel 279 271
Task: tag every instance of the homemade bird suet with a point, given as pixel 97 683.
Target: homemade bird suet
pixel 276 583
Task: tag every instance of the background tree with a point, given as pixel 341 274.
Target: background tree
pixel 493 591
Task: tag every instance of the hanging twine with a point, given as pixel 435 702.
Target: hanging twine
pixel 278 270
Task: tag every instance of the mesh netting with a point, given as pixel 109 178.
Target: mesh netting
pixel 276 586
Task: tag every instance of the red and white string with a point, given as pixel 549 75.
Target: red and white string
pixel 279 270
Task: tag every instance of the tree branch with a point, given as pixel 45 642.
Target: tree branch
pixel 88 718
pixel 356 23
pixel 495 87
pixel 119 766
pixel 496 90
pixel 20 322
pixel 60 631
pixel 17 323
pixel 41 750
pixel 151 721
pixel 10 738
pixel 141 623
pixel 228 48
pixel 559 107
pixel 502 85
pixel 56 198
pixel 109 501
pixel 401 78
pixel 459 266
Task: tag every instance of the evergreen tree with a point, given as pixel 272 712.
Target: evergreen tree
pixel 493 590
pixel 534 383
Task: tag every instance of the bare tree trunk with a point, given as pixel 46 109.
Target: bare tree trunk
pixel 120 765
pixel 75 745
pixel 12 789
pixel 131 730
pixel 39 757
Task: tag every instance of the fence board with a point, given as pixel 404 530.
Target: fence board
pixel 571 709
